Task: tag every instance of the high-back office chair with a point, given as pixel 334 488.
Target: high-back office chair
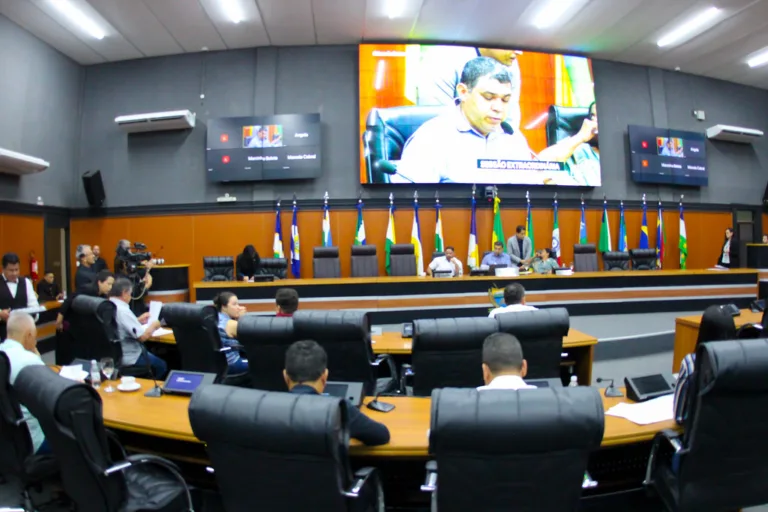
pixel 615 260
pixel 219 268
pixel 437 254
pixel 195 328
pixel 402 259
pixel 523 450
pixel 70 414
pixel 93 328
pixel 541 334
pixel 643 259
pixel 346 338
pixel 325 262
pixel 280 451
pixel 584 258
pixel 274 266
pixel 564 122
pixel 265 339
pixel 721 462
pixel 17 455
pixel 365 263
pixel 448 352
pixel 386 131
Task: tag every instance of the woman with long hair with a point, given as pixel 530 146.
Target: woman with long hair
pixel 248 264
pixel 729 254
pixel 229 311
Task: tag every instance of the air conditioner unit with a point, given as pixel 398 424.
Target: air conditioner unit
pixel 157 121
pixel 20 164
pixel 733 133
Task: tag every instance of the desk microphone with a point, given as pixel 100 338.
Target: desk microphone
pixel 157 391
pixel 379 406
pixel 610 391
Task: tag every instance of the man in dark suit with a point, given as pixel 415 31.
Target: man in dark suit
pixel 306 372
pixel 99 264
pixel 85 273
pixel 98 288
pixel 47 289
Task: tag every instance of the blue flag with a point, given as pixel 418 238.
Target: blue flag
pixel 583 226
pixel 622 231
pixel 295 246
pixel 327 238
pixel 644 229
pixel 277 242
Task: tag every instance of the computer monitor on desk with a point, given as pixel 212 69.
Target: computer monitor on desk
pixel 442 273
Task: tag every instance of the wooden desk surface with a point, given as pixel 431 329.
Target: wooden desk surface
pixel 746 317
pixel 167 417
pixel 411 279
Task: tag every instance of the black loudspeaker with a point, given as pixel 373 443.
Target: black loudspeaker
pixel 94 188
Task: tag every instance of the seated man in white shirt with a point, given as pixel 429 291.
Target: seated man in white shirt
pixel 503 363
pixel 447 263
pixel 514 300
pixel 21 348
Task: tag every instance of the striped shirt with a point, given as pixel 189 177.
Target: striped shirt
pixel 233 355
pixel 682 388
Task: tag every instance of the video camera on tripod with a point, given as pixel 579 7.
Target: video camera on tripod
pixel 133 259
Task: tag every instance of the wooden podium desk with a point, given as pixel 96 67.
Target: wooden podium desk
pixel 167 418
pixel 687 332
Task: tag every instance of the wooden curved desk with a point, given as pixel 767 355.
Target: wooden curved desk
pixel 167 418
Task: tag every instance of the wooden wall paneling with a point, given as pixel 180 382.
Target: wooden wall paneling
pixel 170 237
pixel 23 234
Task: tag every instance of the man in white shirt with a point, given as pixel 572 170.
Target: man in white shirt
pixel 514 298
pixel 21 348
pixel 447 263
pixel 503 363
pixel 133 331
pixel 16 292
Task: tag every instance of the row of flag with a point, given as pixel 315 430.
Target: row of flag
pixel 473 257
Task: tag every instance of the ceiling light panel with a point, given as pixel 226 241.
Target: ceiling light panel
pixel 690 28
pixel 80 19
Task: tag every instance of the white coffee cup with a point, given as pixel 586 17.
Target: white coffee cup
pixel 128 381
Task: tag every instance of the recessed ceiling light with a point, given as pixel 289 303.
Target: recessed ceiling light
pixel 759 59
pixel 550 13
pixel 395 8
pixel 77 17
pixel 232 10
pixel 689 28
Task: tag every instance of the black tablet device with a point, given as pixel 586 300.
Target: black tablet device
pixel 181 382
pixel 647 387
pixel 352 391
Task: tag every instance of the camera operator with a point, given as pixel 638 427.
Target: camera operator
pixel 126 265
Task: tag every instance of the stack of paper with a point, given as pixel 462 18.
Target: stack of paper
pixel 162 332
pixel 73 372
pixel 645 413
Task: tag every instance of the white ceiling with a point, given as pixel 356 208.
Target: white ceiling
pixel 622 30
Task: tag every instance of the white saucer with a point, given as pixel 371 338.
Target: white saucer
pixel 129 387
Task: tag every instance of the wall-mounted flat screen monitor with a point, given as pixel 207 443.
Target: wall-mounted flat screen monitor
pixel 667 157
pixel 463 114
pixel 281 147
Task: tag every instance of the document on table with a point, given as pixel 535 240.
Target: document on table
pixel 154 310
pixel 645 413
pixel 73 372
pixel 31 310
pixel 162 332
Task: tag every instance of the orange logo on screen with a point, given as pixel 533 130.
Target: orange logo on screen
pixel 225 159
pixel 645 163
pixel 224 137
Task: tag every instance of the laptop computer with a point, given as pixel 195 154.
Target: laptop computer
pixel 351 391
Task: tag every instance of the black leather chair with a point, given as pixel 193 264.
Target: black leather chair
pixel 564 122
pixel 265 339
pixel 402 260
pixel 17 456
pixel 274 266
pixel 346 338
pixel 512 450
pixel 195 328
pixel 448 352
pixel 721 462
pixel 615 260
pixel 219 268
pixel 325 262
pixel 585 258
pixel 541 334
pixel 643 259
pixel 365 262
pixel 386 131
pixel 437 254
pixel 70 415
pixel 280 452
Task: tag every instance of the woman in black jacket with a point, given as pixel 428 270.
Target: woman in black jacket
pixel 729 254
pixel 248 264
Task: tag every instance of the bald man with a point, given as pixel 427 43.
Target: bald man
pixel 21 348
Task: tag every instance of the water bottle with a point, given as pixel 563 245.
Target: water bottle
pixel 95 374
pixel 574 382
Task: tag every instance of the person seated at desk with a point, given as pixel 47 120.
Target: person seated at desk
pixel 306 372
pixel 229 311
pixel 543 264
pixel 446 263
pixel 503 363
pixel 47 289
pixel 514 300
pixel 133 331
pixel 100 288
pixel 287 302
pixel 21 348
pixel 248 264
pixel 497 257
pixel 716 325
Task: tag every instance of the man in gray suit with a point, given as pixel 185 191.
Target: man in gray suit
pixel 520 248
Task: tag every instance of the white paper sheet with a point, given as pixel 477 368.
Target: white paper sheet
pixel 31 311
pixel 645 413
pixel 162 332
pixel 73 372
pixel 154 310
